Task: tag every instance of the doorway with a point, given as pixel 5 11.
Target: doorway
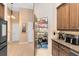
pixel 41 30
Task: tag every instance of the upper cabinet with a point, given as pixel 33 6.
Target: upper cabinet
pixel 69 16
pixel 63 17
pixel 1 11
pixel 59 18
pixel 73 15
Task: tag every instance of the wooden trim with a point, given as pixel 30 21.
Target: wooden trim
pixel 61 5
pixel 68 30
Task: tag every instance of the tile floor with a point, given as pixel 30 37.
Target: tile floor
pixel 25 49
pixel 42 52
pixel 20 49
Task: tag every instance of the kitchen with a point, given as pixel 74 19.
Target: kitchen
pixel 67 20
pixel 62 29
pixel 63 39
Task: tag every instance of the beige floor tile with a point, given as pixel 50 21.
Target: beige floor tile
pixel 20 49
pixel 42 52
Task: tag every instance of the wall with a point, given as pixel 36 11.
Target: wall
pixel 25 15
pixel 15 27
pixel 8 13
pixel 10 22
pixel 16 14
pixel 47 10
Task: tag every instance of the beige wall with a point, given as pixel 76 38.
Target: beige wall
pixel 25 16
pixel 9 25
pixel 16 14
pixel 10 21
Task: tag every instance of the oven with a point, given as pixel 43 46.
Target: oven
pixel 3 37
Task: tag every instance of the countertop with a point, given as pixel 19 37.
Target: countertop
pixel 71 46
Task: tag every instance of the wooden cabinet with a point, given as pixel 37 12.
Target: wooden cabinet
pixel 69 16
pixel 59 18
pixel 59 50
pixel 63 51
pixel 73 15
pixel 55 48
pixel 1 11
pixel 63 17
pixel 55 51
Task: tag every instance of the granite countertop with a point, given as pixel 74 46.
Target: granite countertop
pixel 71 46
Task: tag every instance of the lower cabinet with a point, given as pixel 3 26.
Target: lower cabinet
pixel 55 51
pixel 59 50
pixel 55 48
pixel 63 51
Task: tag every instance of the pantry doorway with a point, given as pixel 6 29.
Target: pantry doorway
pixel 41 30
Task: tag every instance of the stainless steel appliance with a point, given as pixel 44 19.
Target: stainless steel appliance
pixel 3 37
pixel 75 40
pixel 68 38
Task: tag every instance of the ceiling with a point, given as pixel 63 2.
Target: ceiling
pixel 18 6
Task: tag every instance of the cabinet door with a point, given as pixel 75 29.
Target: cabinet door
pixel 65 16
pixel 1 11
pixel 63 51
pixel 59 18
pixel 55 50
pixel 73 15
